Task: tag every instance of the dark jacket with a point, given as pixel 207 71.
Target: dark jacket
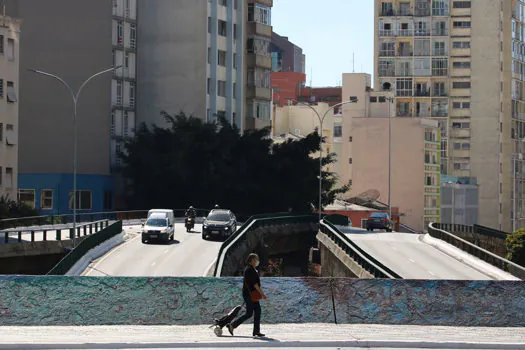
pixel 251 278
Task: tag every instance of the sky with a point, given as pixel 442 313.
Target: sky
pixel 329 32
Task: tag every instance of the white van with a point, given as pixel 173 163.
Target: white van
pixel 158 227
pixel 167 212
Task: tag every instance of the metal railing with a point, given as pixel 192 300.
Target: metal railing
pixel 82 230
pixel 365 260
pixel 44 220
pixel 437 230
pixel 253 223
pixel 87 244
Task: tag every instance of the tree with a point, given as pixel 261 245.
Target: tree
pixel 515 244
pixel 201 164
pixel 10 209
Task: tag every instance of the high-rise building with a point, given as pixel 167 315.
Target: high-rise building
pixel 461 63
pixel 286 56
pixel 206 59
pixel 9 85
pixel 74 39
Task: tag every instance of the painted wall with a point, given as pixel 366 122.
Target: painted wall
pixel 62 184
pixel 47 301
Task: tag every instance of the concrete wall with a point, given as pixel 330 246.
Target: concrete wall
pixel 48 301
pixel 172 56
pixel 370 164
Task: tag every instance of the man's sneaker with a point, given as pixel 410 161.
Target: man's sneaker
pixel 230 328
pixel 259 334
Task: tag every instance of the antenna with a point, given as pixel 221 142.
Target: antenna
pixel 353 62
pixel 311 77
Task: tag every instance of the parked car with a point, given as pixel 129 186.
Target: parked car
pixel 220 222
pixel 158 227
pixel 378 220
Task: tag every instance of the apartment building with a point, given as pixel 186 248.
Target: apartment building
pixel 208 59
pixel 412 144
pixel 286 56
pixel 461 63
pixel 9 85
pixel 82 38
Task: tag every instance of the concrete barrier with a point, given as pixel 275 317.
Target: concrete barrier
pixel 59 300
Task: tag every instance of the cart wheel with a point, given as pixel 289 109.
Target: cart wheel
pixel 218 331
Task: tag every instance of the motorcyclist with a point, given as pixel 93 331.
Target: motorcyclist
pixel 190 212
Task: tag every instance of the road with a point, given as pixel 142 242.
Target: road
pixel 187 256
pixel 411 258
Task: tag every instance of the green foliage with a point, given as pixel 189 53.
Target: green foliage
pixel 515 244
pixel 10 209
pixel 201 164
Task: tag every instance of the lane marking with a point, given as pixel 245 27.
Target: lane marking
pixel 153 264
pixel 432 273
pixel 412 261
pixel 108 255
pixel 166 251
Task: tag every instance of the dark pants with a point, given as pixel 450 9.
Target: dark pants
pixel 251 307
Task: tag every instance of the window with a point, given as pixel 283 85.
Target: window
pixel 439 66
pixel 1 44
pixel 403 109
pixel 27 197
pixel 9 177
pixel 234 61
pixel 126 59
pixel 221 58
pixel 461 4
pixel 132 94
pixel 125 122
pixel 10 49
pixel 461 105
pixel 46 199
pixel 208 87
pixel 461 65
pixel 222 28
pixel 112 123
pixel 83 200
pixel 373 99
pixel 404 87
pixel 382 99
pixel 132 36
pixel 260 14
pixel 350 160
pixel 461 146
pixel 439 48
pixel 439 89
pixel 118 150
pixel 350 139
pixel 1 132
pixel 338 131
pixel 128 8
pixel 209 24
pixel 235 31
pixel 440 7
pixel 460 125
pixel 258 46
pixel 461 44
pixel 258 110
pixel 259 77
pixel 461 84
pixel 221 88
pixel 386 68
pixel 10 136
pixel 1 88
pixel 120 32
pixel 119 92
pixel 223 2
pixel 461 24
pixel 11 93
pixel 108 200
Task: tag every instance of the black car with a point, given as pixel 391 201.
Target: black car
pixel 379 221
pixel 220 223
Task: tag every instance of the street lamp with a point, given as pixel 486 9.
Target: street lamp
pixel 321 121
pixel 75 97
pixel 390 100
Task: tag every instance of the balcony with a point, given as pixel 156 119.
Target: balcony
pixel 403 113
pixel 387 53
pixel 422 12
pixel 439 93
pixel 439 113
pixel 387 72
pixel 255 28
pixel 253 92
pixel 254 60
pixel 440 32
pixel 387 13
pixel 405 53
pixel 422 32
pixel 405 32
pixel 422 93
pixel 387 32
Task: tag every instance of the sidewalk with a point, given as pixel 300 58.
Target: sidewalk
pixel 286 335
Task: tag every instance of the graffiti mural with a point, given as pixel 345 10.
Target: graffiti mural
pixel 29 301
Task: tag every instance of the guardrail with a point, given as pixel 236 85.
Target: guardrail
pixel 82 230
pixel 84 217
pixel 253 223
pixel 476 229
pixel 438 231
pixel 87 244
pixel 365 260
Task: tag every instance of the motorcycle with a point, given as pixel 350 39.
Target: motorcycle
pixel 190 224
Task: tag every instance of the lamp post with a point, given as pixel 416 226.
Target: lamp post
pixel 321 121
pixel 390 100
pixel 74 97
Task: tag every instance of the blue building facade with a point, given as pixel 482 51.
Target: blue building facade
pixel 52 194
